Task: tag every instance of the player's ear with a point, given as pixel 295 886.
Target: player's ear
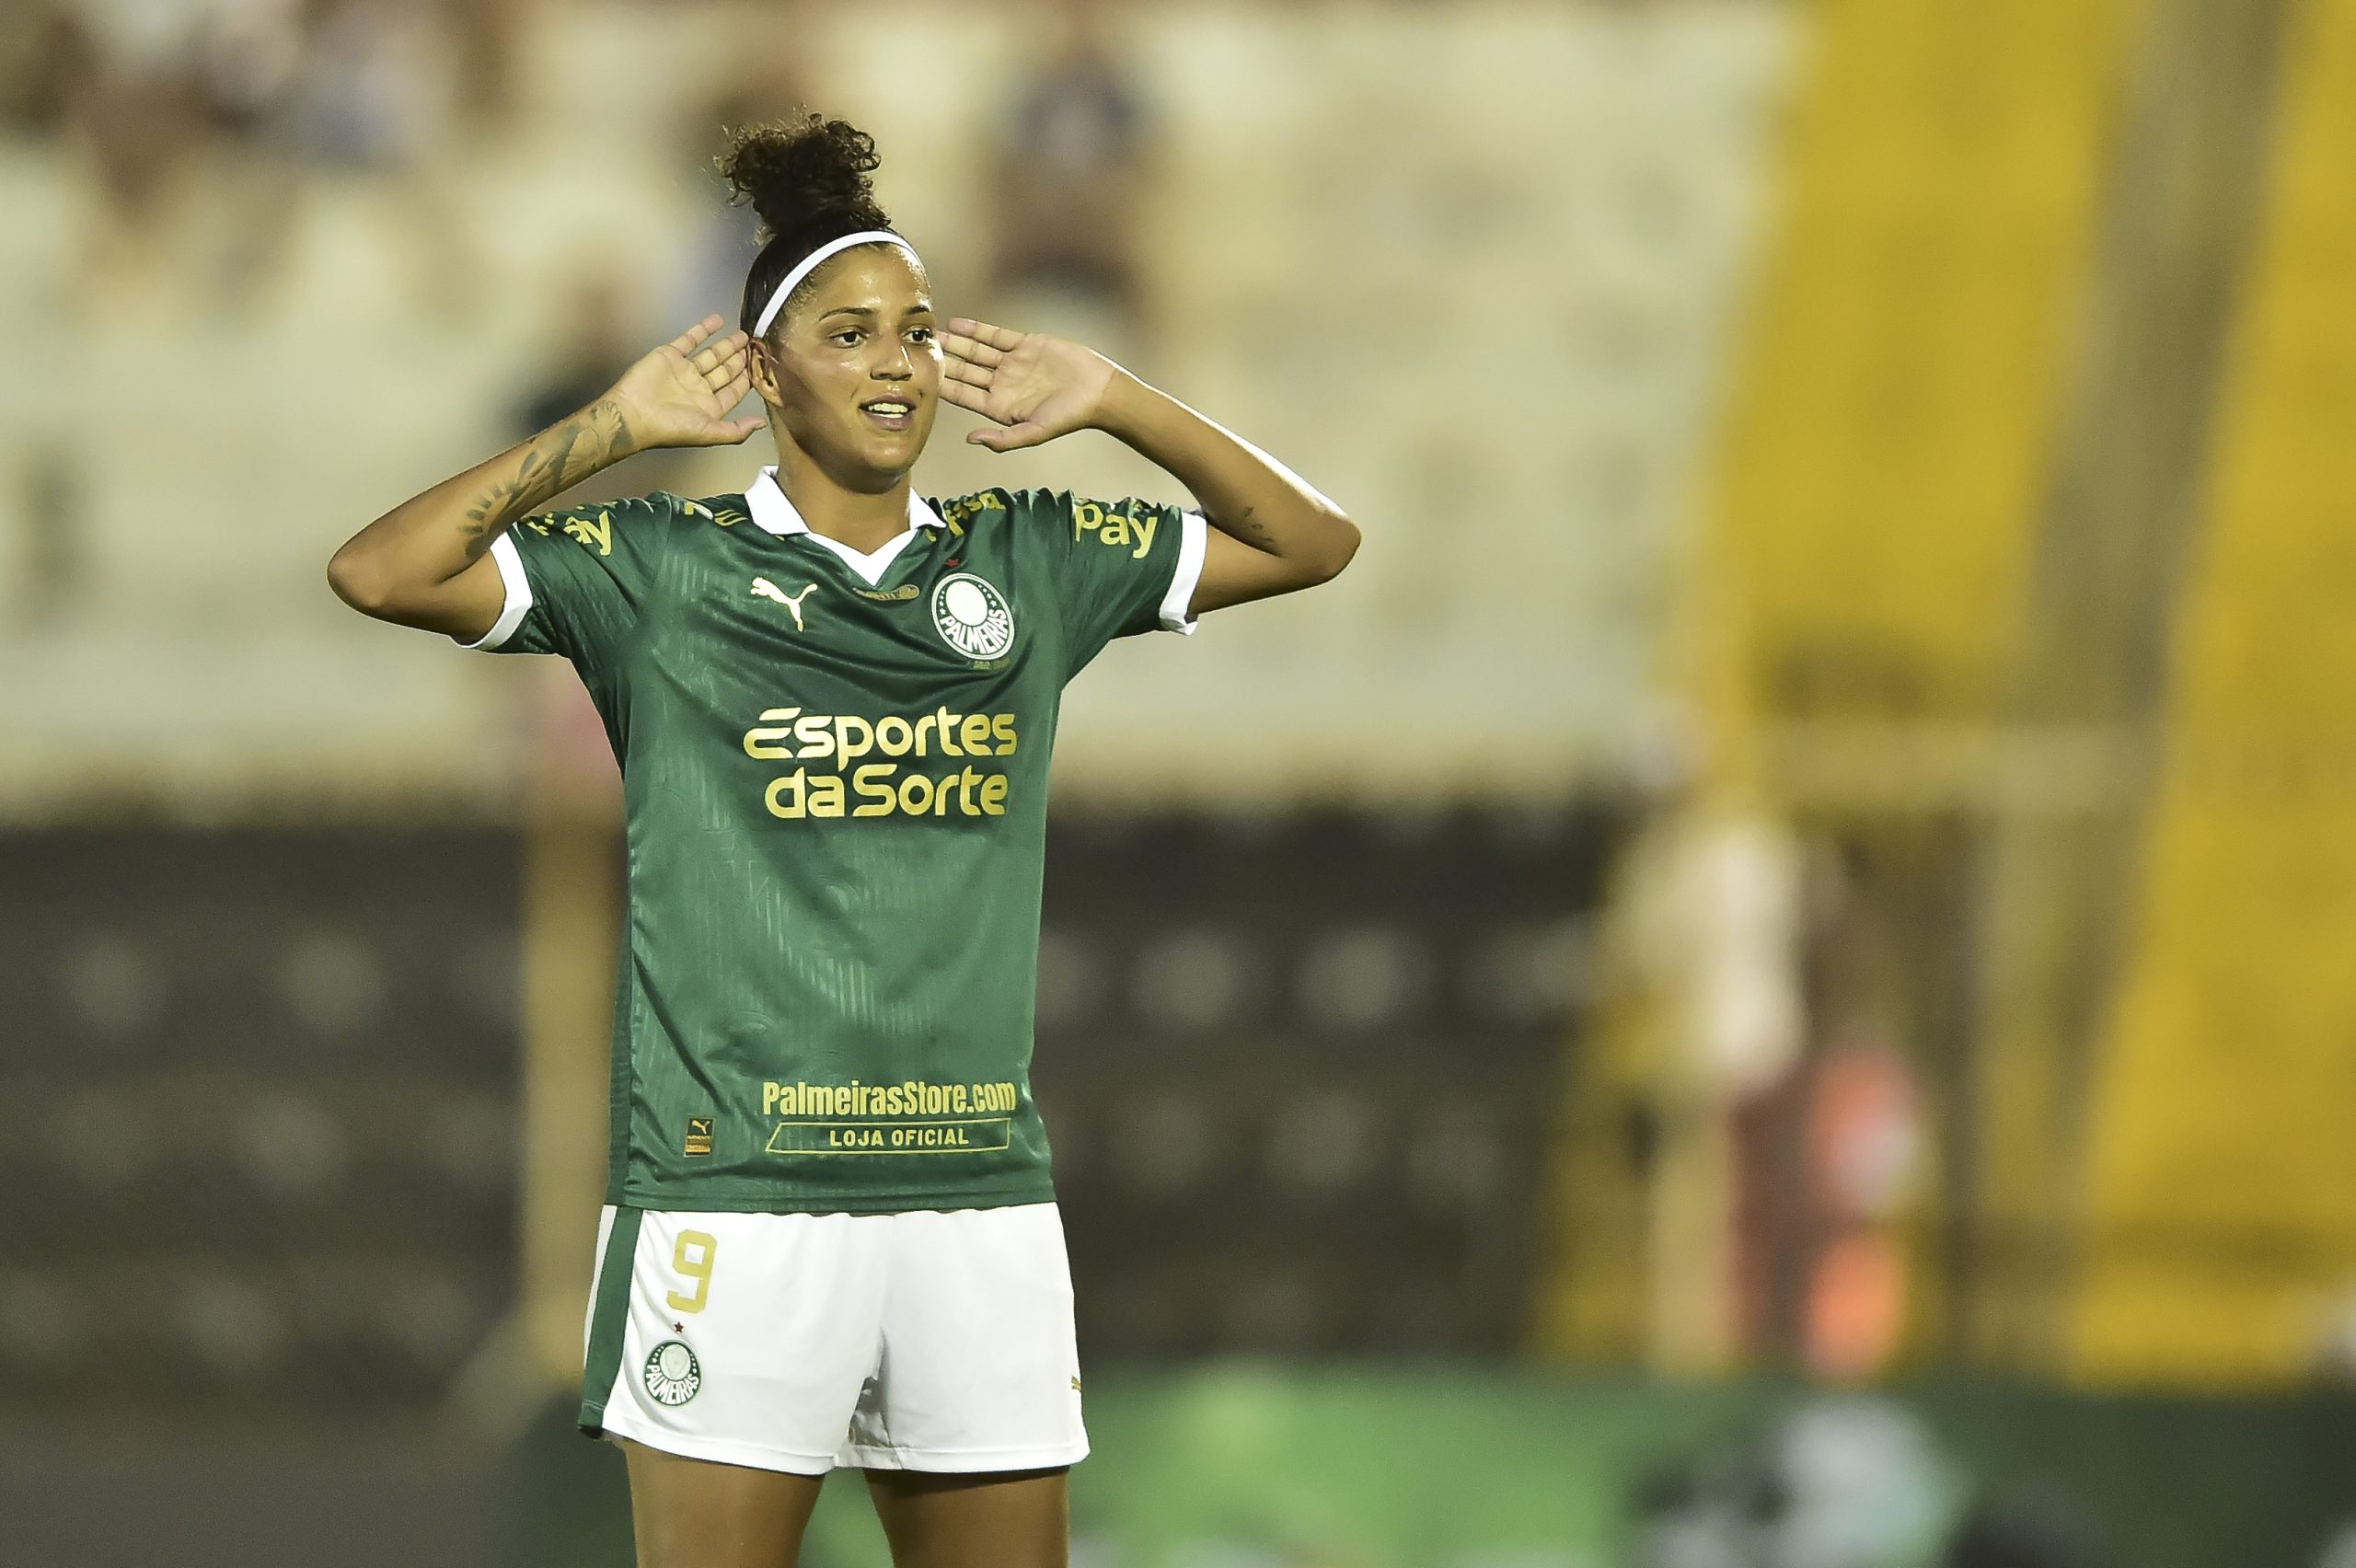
pixel 761 359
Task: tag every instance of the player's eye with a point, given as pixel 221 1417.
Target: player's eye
pixel 848 336
pixel 920 334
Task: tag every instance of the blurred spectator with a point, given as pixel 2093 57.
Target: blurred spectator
pixel 1864 1140
pixel 140 120
pixel 772 82
pixel 375 83
pixel 1706 942
pixel 601 339
pixel 488 37
pixel 377 98
pixel 1071 173
pixel 603 330
pixel 55 550
pixel 247 59
pixel 250 67
pixel 45 54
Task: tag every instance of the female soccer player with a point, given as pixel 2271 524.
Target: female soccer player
pixel 829 1236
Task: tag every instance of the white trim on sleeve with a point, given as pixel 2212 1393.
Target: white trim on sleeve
pixel 519 595
pixel 1193 538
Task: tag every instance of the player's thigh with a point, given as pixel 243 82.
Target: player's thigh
pixel 694 1514
pixel 737 1338
pixel 932 1520
pixel 980 1367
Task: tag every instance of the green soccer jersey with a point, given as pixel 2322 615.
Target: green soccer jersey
pixel 835 772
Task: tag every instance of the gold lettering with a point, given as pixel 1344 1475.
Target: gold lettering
pixel 994 795
pixel 1003 726
pixel 872 782
pixel 784 796
pixel 816 734
pixel 1086 518
pixel 924 722
pixel 768 743
pixel 915 794
pixel 600 533
pixel 1145 527
pixel 965 783
pixel 976 734
pixel 843 722
pixel 692 1257
pixel 893 737
pixel 1115 531
pixel 827 795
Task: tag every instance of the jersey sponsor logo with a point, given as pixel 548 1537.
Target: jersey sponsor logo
pixel 913 1097
pixel 794 736
pixel 881 789
pixel 914 1117
pixel 1120 528
pixel 698 1139
pixel 725 516
pixel 582 530
pixel 579 527
pixel 899 595
pixel 958 513
pixel 764 589
pixel 673 1374
pixel 971 617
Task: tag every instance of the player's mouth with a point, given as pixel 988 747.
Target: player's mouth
pixel 890 414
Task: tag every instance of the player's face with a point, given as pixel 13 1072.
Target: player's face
pixel 857 367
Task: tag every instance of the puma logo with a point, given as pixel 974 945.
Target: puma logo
pixel 764 589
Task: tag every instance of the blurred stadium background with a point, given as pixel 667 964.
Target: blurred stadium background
pixel 1765 984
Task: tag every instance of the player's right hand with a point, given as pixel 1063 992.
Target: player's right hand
pixel 681 394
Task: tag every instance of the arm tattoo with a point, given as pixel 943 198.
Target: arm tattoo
pixel 550 465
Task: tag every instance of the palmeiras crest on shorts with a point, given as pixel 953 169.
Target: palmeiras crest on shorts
pixel 673 1373
pixel 971 617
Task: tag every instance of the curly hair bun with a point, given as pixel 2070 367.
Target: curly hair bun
pixel 806 176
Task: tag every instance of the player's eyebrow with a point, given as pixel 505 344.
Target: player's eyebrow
pixel 922 308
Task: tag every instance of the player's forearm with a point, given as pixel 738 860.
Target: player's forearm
pixel 393 567
pixel 1244 493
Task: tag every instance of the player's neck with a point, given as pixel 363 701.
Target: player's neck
pixel 864 520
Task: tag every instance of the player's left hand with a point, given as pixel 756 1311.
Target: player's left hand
pixel 1038 388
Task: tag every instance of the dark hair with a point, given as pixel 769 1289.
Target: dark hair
pixel 809 180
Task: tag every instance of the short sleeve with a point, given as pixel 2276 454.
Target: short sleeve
pixel 1119 567
pixel 574 579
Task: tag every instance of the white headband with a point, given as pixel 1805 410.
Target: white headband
pixel 809 264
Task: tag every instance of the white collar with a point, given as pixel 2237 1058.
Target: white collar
pixel 767 500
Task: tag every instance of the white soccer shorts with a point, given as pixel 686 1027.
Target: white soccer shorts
pixel 799 1342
